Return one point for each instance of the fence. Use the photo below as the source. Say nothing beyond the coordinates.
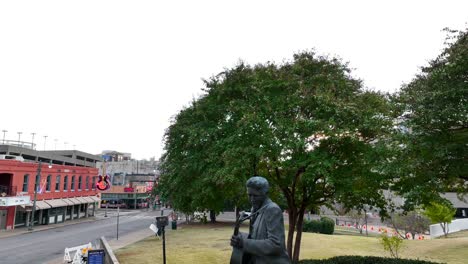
(455, 226)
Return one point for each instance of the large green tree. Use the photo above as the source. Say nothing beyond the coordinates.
(307, 125)
(434, 145)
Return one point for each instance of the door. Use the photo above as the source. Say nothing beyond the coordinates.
(3, 218)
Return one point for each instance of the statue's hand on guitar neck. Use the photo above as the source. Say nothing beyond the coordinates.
(237, 241)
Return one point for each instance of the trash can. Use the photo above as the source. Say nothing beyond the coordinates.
(174, 224)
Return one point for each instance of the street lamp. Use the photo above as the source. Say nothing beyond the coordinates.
(19, 138)
(38, 180)
(32, 140)
(4, 131)
(45, 139)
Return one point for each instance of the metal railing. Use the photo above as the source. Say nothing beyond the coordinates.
(16, 143)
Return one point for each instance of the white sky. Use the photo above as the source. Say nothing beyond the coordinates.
(109, 75)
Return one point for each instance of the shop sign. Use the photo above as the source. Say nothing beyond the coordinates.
(128, 189)
(15, 200)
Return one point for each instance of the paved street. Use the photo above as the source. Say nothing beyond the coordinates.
(48, 245)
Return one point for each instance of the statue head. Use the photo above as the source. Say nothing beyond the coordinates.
(257, 190)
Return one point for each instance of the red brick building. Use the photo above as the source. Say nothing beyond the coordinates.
(66, 189)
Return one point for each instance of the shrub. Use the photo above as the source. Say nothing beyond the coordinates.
(363, 260)
(328, 226)
(323, 226)
(313, 226)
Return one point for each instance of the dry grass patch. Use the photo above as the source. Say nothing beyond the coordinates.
(209, 244)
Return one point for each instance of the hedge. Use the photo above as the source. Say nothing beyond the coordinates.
(363, 260)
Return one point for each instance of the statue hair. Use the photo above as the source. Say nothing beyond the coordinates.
(258, 183)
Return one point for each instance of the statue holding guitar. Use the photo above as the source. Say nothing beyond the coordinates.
(265, 242)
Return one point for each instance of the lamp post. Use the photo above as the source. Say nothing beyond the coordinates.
(32, 140)
(45, 139)
(4, 131)
(19, 139)
(38, 180)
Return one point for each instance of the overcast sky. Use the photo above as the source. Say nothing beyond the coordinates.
(109, 75)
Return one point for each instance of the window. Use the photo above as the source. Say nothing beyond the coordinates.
(65, 183)
(93, 186)
(79, 183)
(73, 183)
(37, 182)
(87, 182)
(57, 183)
(48, 183)
(25, 182)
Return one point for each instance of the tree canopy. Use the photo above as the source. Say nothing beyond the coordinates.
(434, 107)
(307, 126)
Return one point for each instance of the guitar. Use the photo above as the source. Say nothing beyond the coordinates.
(238, 256)
(103, 183)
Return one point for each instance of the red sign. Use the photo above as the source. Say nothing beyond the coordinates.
(128, 189)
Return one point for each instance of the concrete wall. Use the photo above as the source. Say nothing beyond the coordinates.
(455, 226)
(110, 258)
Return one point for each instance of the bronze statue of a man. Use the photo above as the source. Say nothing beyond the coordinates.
(265, 242)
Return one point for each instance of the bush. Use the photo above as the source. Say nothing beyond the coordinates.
(313, 226)
(323, 226)
(363, 260)
(328, 226)
(391, 244)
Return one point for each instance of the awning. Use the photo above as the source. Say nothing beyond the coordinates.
(88, 199)
(56, 203)
(95, 199)
(66, 200)
(40, 205)
(83, 201)
(74, 200)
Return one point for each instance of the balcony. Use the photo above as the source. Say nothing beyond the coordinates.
(8, 190)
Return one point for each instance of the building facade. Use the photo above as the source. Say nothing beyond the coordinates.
(62, 184)
(132, 180)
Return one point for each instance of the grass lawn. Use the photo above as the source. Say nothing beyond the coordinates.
(209, 244)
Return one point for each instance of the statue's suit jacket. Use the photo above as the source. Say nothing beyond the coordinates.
(266, 243)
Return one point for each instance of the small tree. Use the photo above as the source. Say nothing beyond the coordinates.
(442, 214)
(392, 244)
(410, 222)
(358, 218)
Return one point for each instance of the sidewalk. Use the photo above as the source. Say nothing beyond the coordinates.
(127, 239)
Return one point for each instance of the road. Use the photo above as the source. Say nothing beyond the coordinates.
(47, 245)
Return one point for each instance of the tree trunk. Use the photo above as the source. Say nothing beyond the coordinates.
(297, 243)
(212, 216)
(443, 229)
(292, 227)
